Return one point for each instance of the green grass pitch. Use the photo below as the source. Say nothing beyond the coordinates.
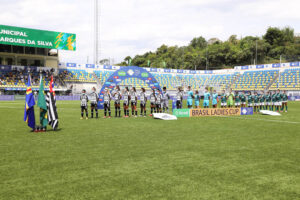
(241, 157)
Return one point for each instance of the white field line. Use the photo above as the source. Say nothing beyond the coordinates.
(260, 119)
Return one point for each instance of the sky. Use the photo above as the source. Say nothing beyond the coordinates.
(130, 27)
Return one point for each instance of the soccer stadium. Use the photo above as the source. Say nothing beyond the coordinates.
(146, 127)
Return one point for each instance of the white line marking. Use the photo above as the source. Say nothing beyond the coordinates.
(268, 120)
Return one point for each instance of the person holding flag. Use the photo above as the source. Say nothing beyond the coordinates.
(43, 106)
(29, 106)
(51, 106)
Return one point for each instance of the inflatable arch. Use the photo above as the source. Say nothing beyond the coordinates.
(124, 73)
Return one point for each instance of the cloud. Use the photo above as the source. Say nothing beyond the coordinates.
(130, 27)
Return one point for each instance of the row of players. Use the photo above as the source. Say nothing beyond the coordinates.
(274, 101)
(159, 101)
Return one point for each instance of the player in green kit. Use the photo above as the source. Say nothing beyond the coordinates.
(262, 101)
(243, 99)
(268, 101)
(250, 100)
(230, 99)
(223, 99)
(237, 100)
(256, 102)
(274, 103)
(284, 101)
(278, 100)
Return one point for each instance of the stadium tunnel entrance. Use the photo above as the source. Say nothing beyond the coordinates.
(124, 73)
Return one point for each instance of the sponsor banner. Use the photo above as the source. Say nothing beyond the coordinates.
(71, 64)
(275, 65)
(244, 67)
(294, 64)
(246, 111)
(181, 112)
(7, 97)
(90, 66)
(19, 36)
(215, 112)
(260, 66)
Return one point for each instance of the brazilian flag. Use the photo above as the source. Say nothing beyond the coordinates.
(42, 104)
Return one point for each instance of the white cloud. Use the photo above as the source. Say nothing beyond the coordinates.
(130, 27)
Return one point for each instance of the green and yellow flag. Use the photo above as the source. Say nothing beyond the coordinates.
(42, 104)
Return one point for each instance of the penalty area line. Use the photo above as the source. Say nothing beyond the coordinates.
(267, 120)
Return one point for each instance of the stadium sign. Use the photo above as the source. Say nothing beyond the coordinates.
(18, 36)
(203, 112)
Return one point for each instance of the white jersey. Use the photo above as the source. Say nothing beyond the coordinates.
(84, 99)
(133, 96)
(94, 98)
(165, 96)
(117, 96)
(107, 97)
(152, 98)
(179, 96)
(158, 98)
(143, 97)
(126, 97)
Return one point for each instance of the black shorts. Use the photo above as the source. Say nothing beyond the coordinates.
(106, 104)
(133, 103)
(143, 105)
(93, 105)
(117, 103)
(83, 107)
(158, 105)
(153, 104)
(178, 104)
(125, 104)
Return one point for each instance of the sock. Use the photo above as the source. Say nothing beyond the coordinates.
(81, 114)
(96, 113)
(109, 112)
(119, 112)
(125, 112)
(145, 112)
(151, 110)
(286, 108)
(105, 112)
(135, 113)
(92, 113)
(116, 112)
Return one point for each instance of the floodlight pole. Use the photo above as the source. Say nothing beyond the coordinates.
(96, 32)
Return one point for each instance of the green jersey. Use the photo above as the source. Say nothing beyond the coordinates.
(278, 97)
(250, 98)
(243, 98)
(256, 98)
(284, 97)
(268, 98)
(237, 98)
(262, 98)
(273, 97)
(223, 98)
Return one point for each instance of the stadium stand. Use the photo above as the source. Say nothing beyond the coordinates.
(289, 79)
(254, 80)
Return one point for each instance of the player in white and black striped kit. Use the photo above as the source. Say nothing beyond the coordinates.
(126, 100)
(165, 100)
(143, 103)
(152, 101)
(133, 100)
(107, 99)
(84, 104)
(158, 101)
(94, 102)
(179, 97)
(117, 96)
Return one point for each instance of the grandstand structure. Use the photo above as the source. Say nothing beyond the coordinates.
(285, 76)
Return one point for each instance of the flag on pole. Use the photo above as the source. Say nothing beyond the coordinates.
(29, 106)
(42, 104)
(51, 106)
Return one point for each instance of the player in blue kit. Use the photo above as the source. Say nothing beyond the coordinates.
(206, 98)
(190, 97)
(215, 99)
(197, 99)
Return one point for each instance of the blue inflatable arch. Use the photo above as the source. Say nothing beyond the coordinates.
(124, 73)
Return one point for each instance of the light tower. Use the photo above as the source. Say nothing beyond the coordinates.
(97, 52)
